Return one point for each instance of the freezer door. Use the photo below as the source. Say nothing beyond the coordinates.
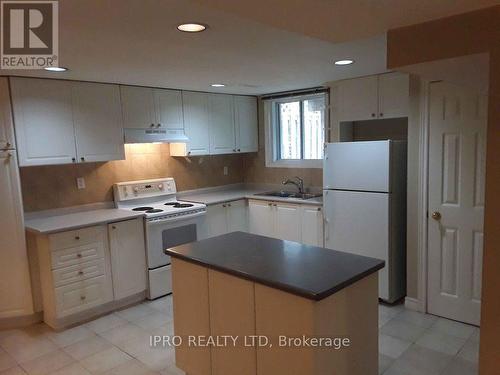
(360, 166)
(358, 223)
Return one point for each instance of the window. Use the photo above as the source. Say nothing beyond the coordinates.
(296, 131)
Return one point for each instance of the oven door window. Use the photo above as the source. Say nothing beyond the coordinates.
(178, 236)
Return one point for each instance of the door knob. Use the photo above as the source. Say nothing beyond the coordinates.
(436, 215)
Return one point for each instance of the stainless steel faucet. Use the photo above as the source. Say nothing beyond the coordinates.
(299, 183)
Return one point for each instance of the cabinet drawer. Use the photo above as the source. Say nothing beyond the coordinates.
(78, 272)
(77, 255)
(76, 237)
(83, 295)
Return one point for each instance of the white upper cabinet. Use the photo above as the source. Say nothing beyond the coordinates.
(43, 118)
(222, 129)
(98, 122)
(394, 91)
(245, 108)
(373, 97)
(357, 99)
(168, 104)
(196, 126)
(138, 107)
(6, 126)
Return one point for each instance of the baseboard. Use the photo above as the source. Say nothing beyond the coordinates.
(413, 304)
(20, 321)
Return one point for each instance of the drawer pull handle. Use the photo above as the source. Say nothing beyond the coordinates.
(83, 298)
(80, 272)
(79, 255)
(77, 237)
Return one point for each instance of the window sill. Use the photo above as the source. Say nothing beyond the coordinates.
(295, 164)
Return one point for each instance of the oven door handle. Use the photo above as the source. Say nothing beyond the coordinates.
(175, 219)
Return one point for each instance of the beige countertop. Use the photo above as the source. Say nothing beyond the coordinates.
(74, 220)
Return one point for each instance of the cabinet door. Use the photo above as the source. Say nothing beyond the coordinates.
(312, 225)
(261, 218)
(128, 257)
(15, 296)
(245, 108)
(43, 118)
(222, 140)
(169, 108)
(98, 122)
(6, 127)
(394, 92)
(216, 219)
(196, 122)
(357, 99)
(237, 216)
(287, 222)
(137, 107)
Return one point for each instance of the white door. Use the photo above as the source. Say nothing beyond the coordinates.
(138, 107)
(357, 99)
(358, 223)
(6, 126)
(222, 140)
(456, 201)
(312, 225)
(261, 218)
(216, 219)
(128, 257)
(357, 166)
(287, 222)
(394, 92)
(43, 118)
(245, 108)
(237, 218)
(98, 122)
(196, 122)
(169, 109)
(15, 285)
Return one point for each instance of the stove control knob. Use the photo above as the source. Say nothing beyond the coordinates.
(160, 186)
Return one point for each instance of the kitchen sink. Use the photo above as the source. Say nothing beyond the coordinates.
(290, 194)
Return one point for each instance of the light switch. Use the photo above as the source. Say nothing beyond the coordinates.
(226, 172)
(80, 183)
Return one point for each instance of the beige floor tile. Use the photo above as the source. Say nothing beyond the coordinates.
(87, 347)
(132, 367)
(13, 371)
(74, 369)
(470, 351)
(441, 342)
(104, 361)
(6, 361)
(25, 348)
(47, 363)
(70, 336)
(164, 304)
(392, 346)
(417, 318)
(452, 328)
(154, 320)
(123, 333)
(165, 330)
(106, 323)
(420, 361)
(136, 346)
(459, 366)
(157, 359)
(383, 363)
(136, 312)
(172, 369)
(402, 330)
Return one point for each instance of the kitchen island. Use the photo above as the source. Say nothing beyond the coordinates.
(247, 304)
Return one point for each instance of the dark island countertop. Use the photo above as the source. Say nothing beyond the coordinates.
(307, 271)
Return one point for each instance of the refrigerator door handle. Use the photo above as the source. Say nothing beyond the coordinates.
(327, 229)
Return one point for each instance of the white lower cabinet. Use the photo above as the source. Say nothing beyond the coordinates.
(227, 217)
(128, 257)
(287, 221)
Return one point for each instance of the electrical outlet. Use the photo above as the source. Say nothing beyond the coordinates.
(80, 183)
(226, 171)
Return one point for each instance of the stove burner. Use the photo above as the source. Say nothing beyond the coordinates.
(171, 203)
(179, 205)
(142, 208)
(153, 211)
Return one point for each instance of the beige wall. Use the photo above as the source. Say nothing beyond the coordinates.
(55, 186)
(469, 33)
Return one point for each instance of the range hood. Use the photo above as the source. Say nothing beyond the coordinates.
(145, 135)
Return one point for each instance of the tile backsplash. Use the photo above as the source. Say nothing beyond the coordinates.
(48, 187)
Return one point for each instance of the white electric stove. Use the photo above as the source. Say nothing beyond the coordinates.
(168, 222)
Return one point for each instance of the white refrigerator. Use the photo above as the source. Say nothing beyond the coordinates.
(364, 198)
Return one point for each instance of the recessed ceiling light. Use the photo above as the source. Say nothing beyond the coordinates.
(218, 85)
(56, 68)
(344, 62)
(191, 27)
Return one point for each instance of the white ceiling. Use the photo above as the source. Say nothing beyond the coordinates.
(136, 42)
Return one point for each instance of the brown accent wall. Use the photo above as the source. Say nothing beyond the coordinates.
(469, 33)
(49, 187)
